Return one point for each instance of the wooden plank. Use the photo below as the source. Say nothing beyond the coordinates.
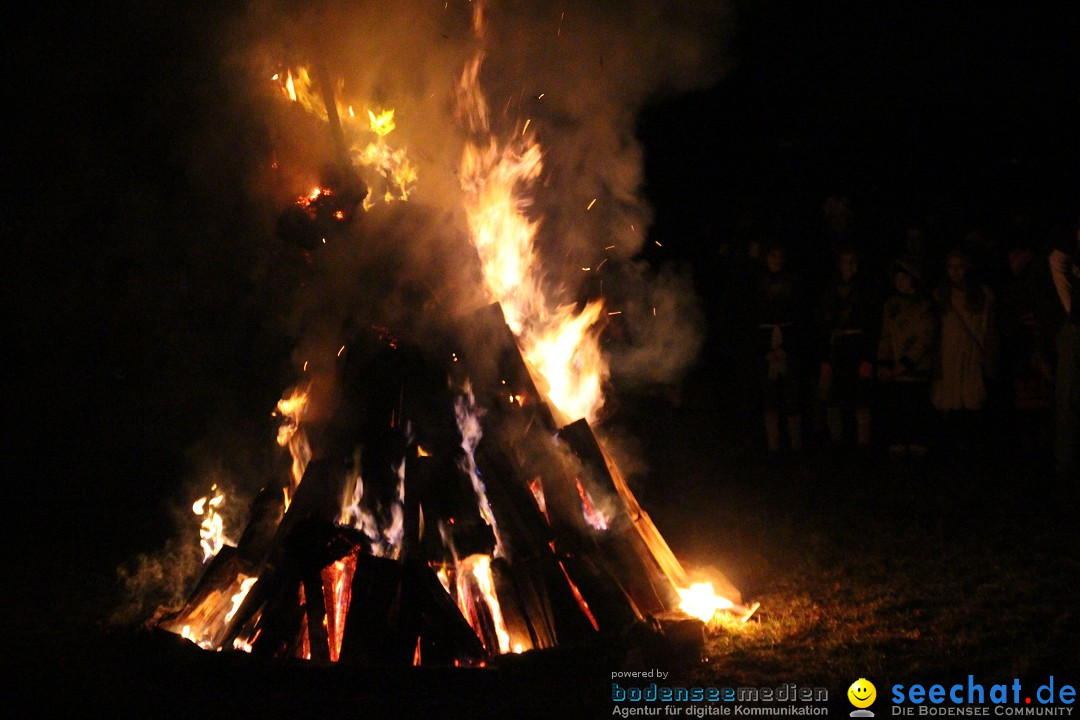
(497, 370)
(647, 562)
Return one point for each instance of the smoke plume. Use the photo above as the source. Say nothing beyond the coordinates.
(576, 74)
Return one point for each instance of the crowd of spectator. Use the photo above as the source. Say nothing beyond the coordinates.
(923, 344)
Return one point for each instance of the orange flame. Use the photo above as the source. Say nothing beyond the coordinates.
(560, 344)
(238, 599)
(291, 435)
(579, 597)
(478, 568)
(393, 166)
(337, 592)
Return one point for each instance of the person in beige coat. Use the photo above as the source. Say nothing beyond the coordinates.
(967, 341)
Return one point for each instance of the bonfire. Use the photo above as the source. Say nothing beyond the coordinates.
(454, 504)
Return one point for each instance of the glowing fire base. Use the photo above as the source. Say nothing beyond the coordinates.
(442, 526)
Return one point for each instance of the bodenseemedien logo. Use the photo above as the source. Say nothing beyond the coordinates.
(862, 694)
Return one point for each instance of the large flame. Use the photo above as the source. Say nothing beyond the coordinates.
(559, 343)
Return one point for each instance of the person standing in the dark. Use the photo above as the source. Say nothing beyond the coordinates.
(847, 323)
(777, 305)
(967, 350)
(1065, 270)
(1030, 318)
(905, 360)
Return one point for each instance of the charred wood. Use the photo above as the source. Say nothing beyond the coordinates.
(499, 372)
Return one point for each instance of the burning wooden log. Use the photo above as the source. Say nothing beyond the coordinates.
(609, 607)
(510, 453)
(326, 88)
(264, 518)
(445, 636)
(397, 607)
(373, 627)
(204, 618)
(538, 540)
(418, 474)
(499, 372)
(656, 563)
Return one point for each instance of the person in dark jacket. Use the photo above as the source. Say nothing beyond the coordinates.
(847, 322)
(777, 320)
(1065, 270)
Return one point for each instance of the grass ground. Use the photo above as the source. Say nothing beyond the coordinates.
(907, 569)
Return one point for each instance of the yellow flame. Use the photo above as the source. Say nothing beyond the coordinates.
(701, 601)
(238, 599)
(392, 165)
(299, 88)
(381, 124)
(212, 528)
(478, 567)
(292, 435)
(559, 343)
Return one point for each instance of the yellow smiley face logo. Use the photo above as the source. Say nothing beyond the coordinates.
(862, 693)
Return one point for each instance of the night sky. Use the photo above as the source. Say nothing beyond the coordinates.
(907, 108)
(133, 330)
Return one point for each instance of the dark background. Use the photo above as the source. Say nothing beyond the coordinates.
(132, 330)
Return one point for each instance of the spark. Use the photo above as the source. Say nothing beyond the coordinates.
(591, 204)
(526, 128)
(340, 350)
(615, 312)
(658, 243)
